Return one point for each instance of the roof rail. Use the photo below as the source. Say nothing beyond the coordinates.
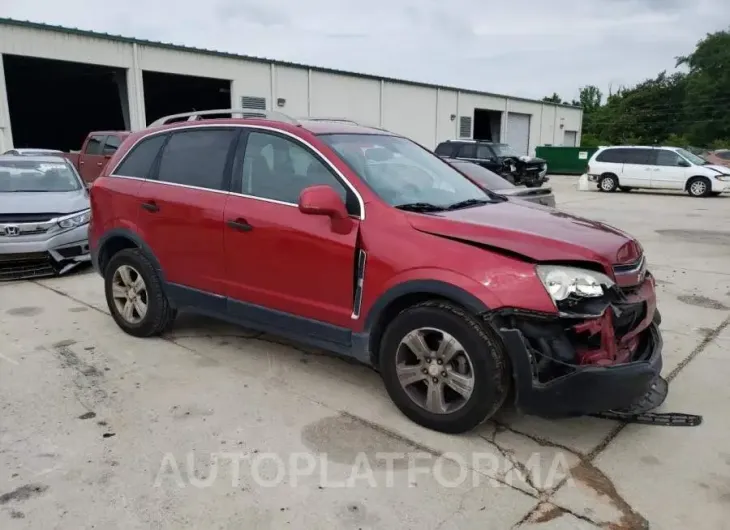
(341, 120)
(243, 112)
(345, 120)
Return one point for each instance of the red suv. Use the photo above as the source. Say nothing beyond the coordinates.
(361, 242)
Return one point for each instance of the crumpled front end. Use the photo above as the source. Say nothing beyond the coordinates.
(595, 355)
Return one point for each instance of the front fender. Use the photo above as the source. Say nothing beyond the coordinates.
(438, 282)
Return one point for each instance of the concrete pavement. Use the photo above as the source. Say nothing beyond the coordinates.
(214, 426)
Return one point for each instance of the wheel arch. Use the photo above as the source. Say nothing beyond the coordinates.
(408, 294)
(119, 239)
(695, 177)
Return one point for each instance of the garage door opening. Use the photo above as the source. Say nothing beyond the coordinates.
(166, 94)
(487, 125)
(518, 132)
(55, 104)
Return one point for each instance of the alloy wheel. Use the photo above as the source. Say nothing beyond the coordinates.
(698, 187)
(129, 293)
(435, 370)
(607, 184)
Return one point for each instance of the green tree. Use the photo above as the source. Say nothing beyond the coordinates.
(706, 108)
(555, 98)
(590, 98)
(689, 107)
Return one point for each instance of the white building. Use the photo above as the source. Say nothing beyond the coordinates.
(426, 113)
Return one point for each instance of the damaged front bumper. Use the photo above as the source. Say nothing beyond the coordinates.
(579, 364)
(41, 256)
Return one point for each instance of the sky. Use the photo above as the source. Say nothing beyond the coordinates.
(528, 48)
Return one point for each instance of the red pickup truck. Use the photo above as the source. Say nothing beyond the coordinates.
(96, 151)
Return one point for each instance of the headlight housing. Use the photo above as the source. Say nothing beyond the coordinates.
(75, 219)
(562, 282)
(723, 177)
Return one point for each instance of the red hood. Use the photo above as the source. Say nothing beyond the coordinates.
(536, 232)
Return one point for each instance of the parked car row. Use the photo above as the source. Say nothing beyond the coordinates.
(97, 149)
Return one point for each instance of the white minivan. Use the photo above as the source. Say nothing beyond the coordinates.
(669, 168)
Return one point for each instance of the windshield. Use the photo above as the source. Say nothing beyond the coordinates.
(403, 173)
(504, 150)
(696, 160)
(483, 176)
(32, 176)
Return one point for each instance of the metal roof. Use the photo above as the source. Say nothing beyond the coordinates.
(179, 47)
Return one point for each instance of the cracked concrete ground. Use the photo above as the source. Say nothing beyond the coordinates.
(213, 426)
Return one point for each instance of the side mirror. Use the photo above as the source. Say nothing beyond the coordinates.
(322, 200)
(684, 163)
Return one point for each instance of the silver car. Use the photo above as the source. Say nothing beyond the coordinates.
(44, 217)
(30, 151)
(493, 182)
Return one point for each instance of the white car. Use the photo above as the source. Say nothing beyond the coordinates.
(668, 168)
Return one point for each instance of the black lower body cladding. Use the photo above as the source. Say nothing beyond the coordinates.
(586, 389)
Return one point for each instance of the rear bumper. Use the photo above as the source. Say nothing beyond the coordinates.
(37, 257)
(588, 389)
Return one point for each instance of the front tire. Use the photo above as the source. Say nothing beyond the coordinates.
(135, 296)
(608, 183)
(442, 368)
(699, 187)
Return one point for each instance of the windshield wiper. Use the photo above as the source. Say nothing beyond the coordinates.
(420, 207)
(469, 203)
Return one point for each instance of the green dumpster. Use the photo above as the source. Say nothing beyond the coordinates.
(565, 160)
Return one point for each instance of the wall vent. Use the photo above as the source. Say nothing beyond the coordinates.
(465, 127)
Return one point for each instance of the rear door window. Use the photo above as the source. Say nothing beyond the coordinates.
(468, 151)
(111, 145)
(138, 162)
(638, 156)
(197, 158)
(484, 152)
(93, 146)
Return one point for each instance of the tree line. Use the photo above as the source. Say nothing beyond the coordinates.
(689, 108)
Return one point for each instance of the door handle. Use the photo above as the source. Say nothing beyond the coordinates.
(151, 206)
(240, 224)
(100, 164)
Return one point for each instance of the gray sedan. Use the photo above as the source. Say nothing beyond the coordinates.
(44, 217)
(493, 182)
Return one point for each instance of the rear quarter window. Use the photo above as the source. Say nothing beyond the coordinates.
(445, 149)
(610, 156)
(138, 162)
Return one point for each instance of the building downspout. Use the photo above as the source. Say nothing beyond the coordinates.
(6, 132)
(309, 92)
(272, 71)
(135, 93)
(436, 129)
(382, 101)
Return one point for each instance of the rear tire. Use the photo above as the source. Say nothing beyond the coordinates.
(608, 183)
(135, 296)
(699, 187)
(447, 389)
